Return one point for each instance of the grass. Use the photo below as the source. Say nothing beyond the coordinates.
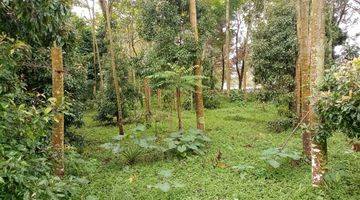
(240, 133)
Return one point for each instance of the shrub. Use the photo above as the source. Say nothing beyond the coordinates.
(212, 99)
(275, 156)
(133, 145)
(237, 96)
(25, 169)
(280, 125)
(107, 109)
(183, 143)
(339, 101)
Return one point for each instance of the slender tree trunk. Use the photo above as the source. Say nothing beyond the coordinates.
(242, 75)
(93, 34)
(101, 73)
(227, 49)
(246, 55)
(147, 92)
(317, 39)
(101, 87)
(178, 108)
(223, 68)
(303, 70)
(237, 53)
(199, 104)
(113, 69)
(57, 138)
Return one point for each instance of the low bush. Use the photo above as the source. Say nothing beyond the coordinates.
(184, 143)
(212, 99)
(237, 96)
(339, 101)
(280, 125)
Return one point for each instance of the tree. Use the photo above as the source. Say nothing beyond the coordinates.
(317, 61)
(96, 54)
(302, 90)
(274, 51)
(115, 80)
(57, 138)
(200, 118)
(228, 66)
(176, 79)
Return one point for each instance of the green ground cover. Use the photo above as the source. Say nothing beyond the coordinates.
(240, 133)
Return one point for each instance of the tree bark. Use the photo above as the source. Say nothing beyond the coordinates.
(246, 55)
(101, 74)
(317, 39)
(113, 69)
(223, 68)
(178, 108)
(199, 102)
(355, 146)
(57, 138)
(147, 92)
(93, 34)
(228, 66)
(302, 89)
(238, 71)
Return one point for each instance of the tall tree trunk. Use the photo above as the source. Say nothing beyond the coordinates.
(93, 34)
(303, 70)
(223, 68)
(246, 55)
(147, 92)
(237, 53)
(57, 138)
(317, 39)
(113, 69)
(227, 48)
(101, 73)
(178, 108)
(242, 74)
(199, 102)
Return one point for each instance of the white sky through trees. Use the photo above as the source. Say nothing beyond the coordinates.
(352, 26)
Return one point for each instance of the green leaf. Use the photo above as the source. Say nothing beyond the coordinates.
(178, 185)
(47, 110)
(274, 163)
(140, 128)
(165, 187)
(181, 148)
(165, 173)
(2, 180)
(91, 197)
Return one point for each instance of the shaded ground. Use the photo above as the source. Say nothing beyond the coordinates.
(240, 133)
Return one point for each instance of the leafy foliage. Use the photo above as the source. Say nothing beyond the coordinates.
(275, 49)
(275, 156)
(133, 145)
(25, 168)
(280, 125)
(212, 99)
(165, 183)
(107, 111)
(185, 143)
(339, 101)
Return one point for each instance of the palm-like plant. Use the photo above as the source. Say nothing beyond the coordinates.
(177, 79)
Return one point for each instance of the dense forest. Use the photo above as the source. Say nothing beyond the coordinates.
(179, 99)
